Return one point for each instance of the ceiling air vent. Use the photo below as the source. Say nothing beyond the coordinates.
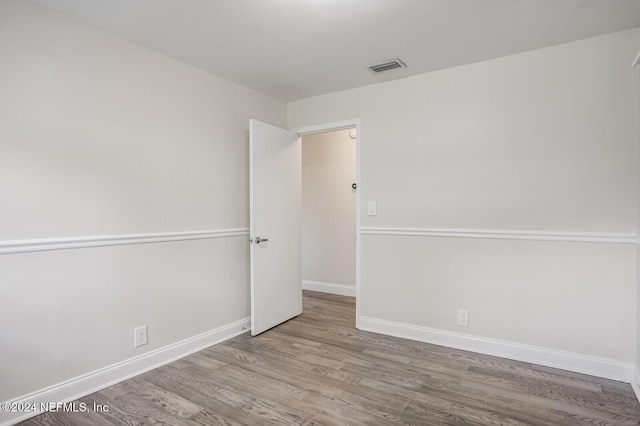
(389, 65)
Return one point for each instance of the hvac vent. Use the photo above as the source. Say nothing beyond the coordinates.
(389, 65)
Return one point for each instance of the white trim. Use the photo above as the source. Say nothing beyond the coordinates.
(45, 244)
(341, 125)
(601, 367)
(636, 61)
(252, 231)
(358, 221)
(635, 382)
(340, 289)
(94, 381)
(329, 127)
(587, 237)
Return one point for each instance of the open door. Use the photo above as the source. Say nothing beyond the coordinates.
(275, 203)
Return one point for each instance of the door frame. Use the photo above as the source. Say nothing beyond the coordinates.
(330, 127)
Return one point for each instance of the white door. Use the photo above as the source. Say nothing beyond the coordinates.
(275, 203)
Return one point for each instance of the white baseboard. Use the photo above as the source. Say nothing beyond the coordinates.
(601, 367)
(340, 289)
(94, 381)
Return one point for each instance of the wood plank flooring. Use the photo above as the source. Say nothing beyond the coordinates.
(317, 369)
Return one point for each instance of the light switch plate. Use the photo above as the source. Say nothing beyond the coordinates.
(372, 208)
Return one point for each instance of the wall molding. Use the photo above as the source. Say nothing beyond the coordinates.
(340, 289)
(585, 237)
(579, 363)
(46, 244)
(94, 381)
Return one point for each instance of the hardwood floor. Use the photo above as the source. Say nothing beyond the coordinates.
(318, 369)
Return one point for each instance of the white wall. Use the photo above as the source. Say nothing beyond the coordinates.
(100, 137)
(329, 208)
(542, 142)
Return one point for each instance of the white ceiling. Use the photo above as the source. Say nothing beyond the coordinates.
(293, 49)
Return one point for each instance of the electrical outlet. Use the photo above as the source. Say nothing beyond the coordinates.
(140, 336)
(463, 318)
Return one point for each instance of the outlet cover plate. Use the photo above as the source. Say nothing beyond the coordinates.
(463, 318)
(140, 336)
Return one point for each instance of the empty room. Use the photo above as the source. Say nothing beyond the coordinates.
(319, 212)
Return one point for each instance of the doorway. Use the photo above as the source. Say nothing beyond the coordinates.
(330, 205)
(275, 229)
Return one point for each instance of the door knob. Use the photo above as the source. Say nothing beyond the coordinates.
(261, 240)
